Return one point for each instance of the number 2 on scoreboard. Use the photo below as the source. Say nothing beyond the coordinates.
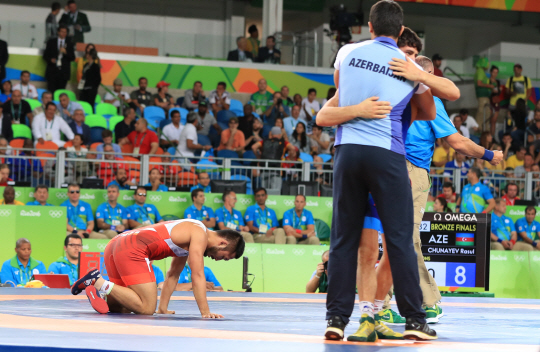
(425, 226)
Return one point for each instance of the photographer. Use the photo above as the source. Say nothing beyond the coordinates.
(277, 109)
(319, 279)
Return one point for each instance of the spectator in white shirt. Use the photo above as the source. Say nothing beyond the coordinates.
(49, 127)
(220, 99)
(309, 108)
(67, 107)
(320, 140)
(289, 123)
(188, 141)
(171, 132)
(118, 97)
(458, 123)
(27, 90)
(468, 121)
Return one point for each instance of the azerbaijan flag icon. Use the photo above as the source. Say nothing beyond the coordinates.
(464, 239)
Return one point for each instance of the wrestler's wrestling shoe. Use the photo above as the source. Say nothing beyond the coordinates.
(390, 317)
(96, 301)
(366, 332)
(335, 329)
(85, 281)
(384, 332)
(417, 331)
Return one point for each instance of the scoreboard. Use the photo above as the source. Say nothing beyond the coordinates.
(456, 249)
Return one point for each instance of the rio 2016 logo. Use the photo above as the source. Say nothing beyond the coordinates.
(155, 198)
(56, 213)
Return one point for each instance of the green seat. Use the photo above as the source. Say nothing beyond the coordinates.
(88, 110)
(21, 131)
(34, 103)
(106, 109)
(113, 120)
(98, 99)
(95, 121)
(69, 93)
(322, 229)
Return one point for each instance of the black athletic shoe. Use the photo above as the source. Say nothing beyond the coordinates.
(417, 331)
(335, 329)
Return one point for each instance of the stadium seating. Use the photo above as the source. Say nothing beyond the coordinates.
(21, 131)
(183, 114)
(113, 120)
(106, 109)
(306, 157)
(46, 146)
(223, 116)
(325, 157)
(40, 92)
(88, 109)
(154, 112)
(96, 121)
(236, 107)
(71, 95)
(34, 103)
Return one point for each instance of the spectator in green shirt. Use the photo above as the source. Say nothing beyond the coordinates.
(262, 99)
(483, 90)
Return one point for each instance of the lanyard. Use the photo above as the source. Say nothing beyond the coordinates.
(297, 224)
(142, 139)
(74, 215)
(199, 213)
(27, 91)
(261, 219)
(110, 212)
(226, 215)
(18, 113)
(22, 269)
(73, 270)
(144, 212)
(52, 123)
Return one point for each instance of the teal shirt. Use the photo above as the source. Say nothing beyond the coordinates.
(224, 216)
(111, 216)
(530, 229)
(474, 198)
(64, 266)
(502, 226)
(78, 216)
(18, 274)
(290, 218)
(47, 204)
(146, 214)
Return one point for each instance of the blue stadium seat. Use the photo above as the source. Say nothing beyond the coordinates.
(325, 157)
(171, 150)
(236, 107)
(155, 112)
(307, 158)
(231, 154)
(95, 134)
(207, 165)
(249, 155)
(180, 101)
(203, 140)
(224, 116)
(183, 114)
(154, 122)
(40, 92)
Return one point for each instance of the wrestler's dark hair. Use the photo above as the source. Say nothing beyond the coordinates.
(409, 38)
(236, 242)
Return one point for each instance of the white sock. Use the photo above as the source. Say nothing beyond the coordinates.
(367, 308)
(107, 287)
(378, 305)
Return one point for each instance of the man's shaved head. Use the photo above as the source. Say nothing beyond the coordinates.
(425, 63)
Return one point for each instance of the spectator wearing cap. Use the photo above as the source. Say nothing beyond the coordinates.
(9, 197)
(204, 183)
(20, 269)
(4, 57)
(232, 138)
(49, 127)
(6, 129)
(220, 99)
(125, 127)
(528, 230)
(58, 54)
(192, 97)
(107, 137)
(143, 140)
(253, 42)
(117, 97)
(66, 107)
(518, 87)
(162, 98)
(188, 143)
(206, 121)
(79, 127)
(240, 53)
(299, 223)
(76, 21)
(437, 62)
(155, 181)
(6, 90)
(269, 54)
(171, 132)
(28, 90)
(142, 98)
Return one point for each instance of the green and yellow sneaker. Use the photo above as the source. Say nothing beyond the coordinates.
(390, 317)
(432, 314)
(440, 313)
(384, 332)
(366, 332)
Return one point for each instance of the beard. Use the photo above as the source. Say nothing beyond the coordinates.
(211, 252)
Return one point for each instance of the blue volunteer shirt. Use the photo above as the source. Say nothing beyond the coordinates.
(185, 276)
(421, 136)
(199, 186)
(205, 213)
(224, 216)
(291, 218)
(146, 214)
(47, 204)
(111, 216)
(64, 266)
(158, 274)
(363, 73)
(530, 229)
(258, 216)
(14, 271)
(502, 226)
(79, 215)
(453, 165)
(474, 198)
(161, 188)
(125, 187)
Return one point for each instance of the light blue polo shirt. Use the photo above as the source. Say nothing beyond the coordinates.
(146, 214)
(64, 266)
(502, 226)
(363, 73)
(185, 276)
(224, 216)
(474, 198)
(78, 216)
(47, 204)
(531, 229)
(290, 218)
(205, 213)
(258, 216)
(110, 214)
(289, 123)
(421, 136)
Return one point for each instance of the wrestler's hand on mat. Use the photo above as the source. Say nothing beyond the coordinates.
(212, 316)
(372, 108)
(497, 157)
(159, 311)
(406, 69)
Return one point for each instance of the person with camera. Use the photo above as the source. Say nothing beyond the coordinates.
(277, 109)
(319, 279)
